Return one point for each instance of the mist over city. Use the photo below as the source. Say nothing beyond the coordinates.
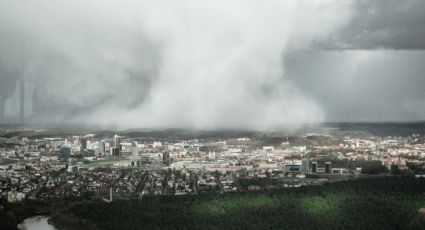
(211, 64)
(212, 114)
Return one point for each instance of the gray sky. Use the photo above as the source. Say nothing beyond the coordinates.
(213, 64)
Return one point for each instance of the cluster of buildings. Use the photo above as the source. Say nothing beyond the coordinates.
(104, 167)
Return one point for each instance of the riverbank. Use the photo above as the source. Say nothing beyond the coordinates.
(13, 214)
(36, 223)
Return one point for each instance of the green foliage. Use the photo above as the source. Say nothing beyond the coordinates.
(374, 203)
(374, 167)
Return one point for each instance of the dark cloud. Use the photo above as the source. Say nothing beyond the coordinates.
(377, 24)
(372, 68)
(384, 85)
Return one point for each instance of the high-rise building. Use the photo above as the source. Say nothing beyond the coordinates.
(314, 167)
(115, 152)
(116, 141)
(102, 148)
(327, 167)
(166, 158)
(83, 143)
(134, 148)
(116, 146)
(305, 162)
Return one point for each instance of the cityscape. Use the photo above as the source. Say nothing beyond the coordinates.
(212, 114)
(118, 166)
(55, 165)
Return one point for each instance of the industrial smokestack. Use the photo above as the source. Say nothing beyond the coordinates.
(22, 101)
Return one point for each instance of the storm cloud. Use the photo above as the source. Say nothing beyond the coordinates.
(372, 70)
(212, 64)
(378, 24)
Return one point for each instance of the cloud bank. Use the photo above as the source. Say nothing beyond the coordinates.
(212, 64)
(165, 63)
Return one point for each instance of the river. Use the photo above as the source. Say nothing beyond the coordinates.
(36, 223)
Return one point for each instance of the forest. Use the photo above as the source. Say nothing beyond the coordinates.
(369, 203)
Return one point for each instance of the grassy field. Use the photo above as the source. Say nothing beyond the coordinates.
(104, 161)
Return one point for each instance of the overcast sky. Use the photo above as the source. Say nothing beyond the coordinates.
(213, 63)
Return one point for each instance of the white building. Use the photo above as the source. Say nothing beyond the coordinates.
(14, 196)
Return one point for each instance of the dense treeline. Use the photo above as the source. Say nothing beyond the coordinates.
(374, 203)
(11, 214)
(380, 129)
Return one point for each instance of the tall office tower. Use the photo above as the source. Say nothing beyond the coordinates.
(166, 158)
(83, 143)
(314, 167)
(134, 148)
(102, 148)
(327, 167)
(116, 142)
(305, 162)
(115, 152)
